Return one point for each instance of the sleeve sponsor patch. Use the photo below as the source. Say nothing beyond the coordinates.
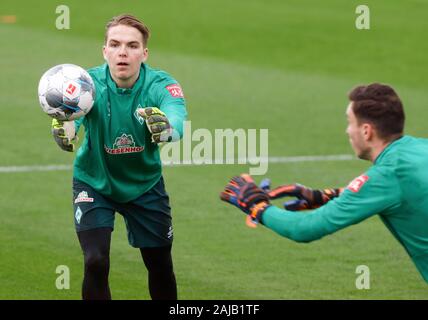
(175, 90)
(357, 183)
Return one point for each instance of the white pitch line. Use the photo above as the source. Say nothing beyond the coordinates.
(255, 161)
(35, 168)
(248, 161)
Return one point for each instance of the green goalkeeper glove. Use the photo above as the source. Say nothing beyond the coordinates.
(157, 123)
(64, 132)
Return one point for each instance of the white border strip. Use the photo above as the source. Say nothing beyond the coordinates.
(250, 161)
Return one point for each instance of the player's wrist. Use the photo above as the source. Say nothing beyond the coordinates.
(317, 198)
(254, 216)
(321, 197)
(64, 134)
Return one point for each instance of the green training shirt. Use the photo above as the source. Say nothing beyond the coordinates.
(395, 187)
(117, 157)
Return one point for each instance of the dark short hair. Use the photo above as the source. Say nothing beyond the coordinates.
(379, 105)
(130, 21)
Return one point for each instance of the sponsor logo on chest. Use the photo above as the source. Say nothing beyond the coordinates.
(123, 144)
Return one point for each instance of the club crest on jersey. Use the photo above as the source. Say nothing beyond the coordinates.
(124, 144)
(175, 90)
(139, 118)
(83, 197)
(357, 183)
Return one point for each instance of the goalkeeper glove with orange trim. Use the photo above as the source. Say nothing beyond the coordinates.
(307, 198)
(242, 192)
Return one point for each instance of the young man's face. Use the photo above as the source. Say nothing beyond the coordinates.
(124, 52)
(358, 134)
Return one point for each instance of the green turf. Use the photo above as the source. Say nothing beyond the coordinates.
(281, 65)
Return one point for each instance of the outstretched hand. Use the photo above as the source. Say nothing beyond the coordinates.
(242, 192)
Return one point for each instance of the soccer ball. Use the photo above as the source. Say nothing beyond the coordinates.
(66, 92)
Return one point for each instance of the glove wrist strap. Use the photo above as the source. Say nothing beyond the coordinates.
(323, 196)
(255, 215)
(317, 197)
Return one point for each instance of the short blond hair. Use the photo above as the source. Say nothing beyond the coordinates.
(131, 21)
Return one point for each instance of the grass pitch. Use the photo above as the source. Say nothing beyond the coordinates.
(281, 65)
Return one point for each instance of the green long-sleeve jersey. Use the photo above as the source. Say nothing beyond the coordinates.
(117, 157)
(395, 187)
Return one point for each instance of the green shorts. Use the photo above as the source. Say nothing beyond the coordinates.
(148, 218)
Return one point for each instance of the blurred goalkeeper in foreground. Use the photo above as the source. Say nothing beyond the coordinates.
(395, 186)
(118, 166)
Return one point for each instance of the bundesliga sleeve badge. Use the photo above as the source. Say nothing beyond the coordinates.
(357, 183)
(175, 90)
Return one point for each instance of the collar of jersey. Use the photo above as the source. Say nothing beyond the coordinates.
(385, 151)
(124, 91)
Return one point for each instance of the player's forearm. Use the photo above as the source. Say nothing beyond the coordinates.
(177, 123)
(176, 116)
(297, 226)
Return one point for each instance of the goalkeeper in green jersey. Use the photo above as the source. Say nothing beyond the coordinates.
(395, 187)
(118, 167)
